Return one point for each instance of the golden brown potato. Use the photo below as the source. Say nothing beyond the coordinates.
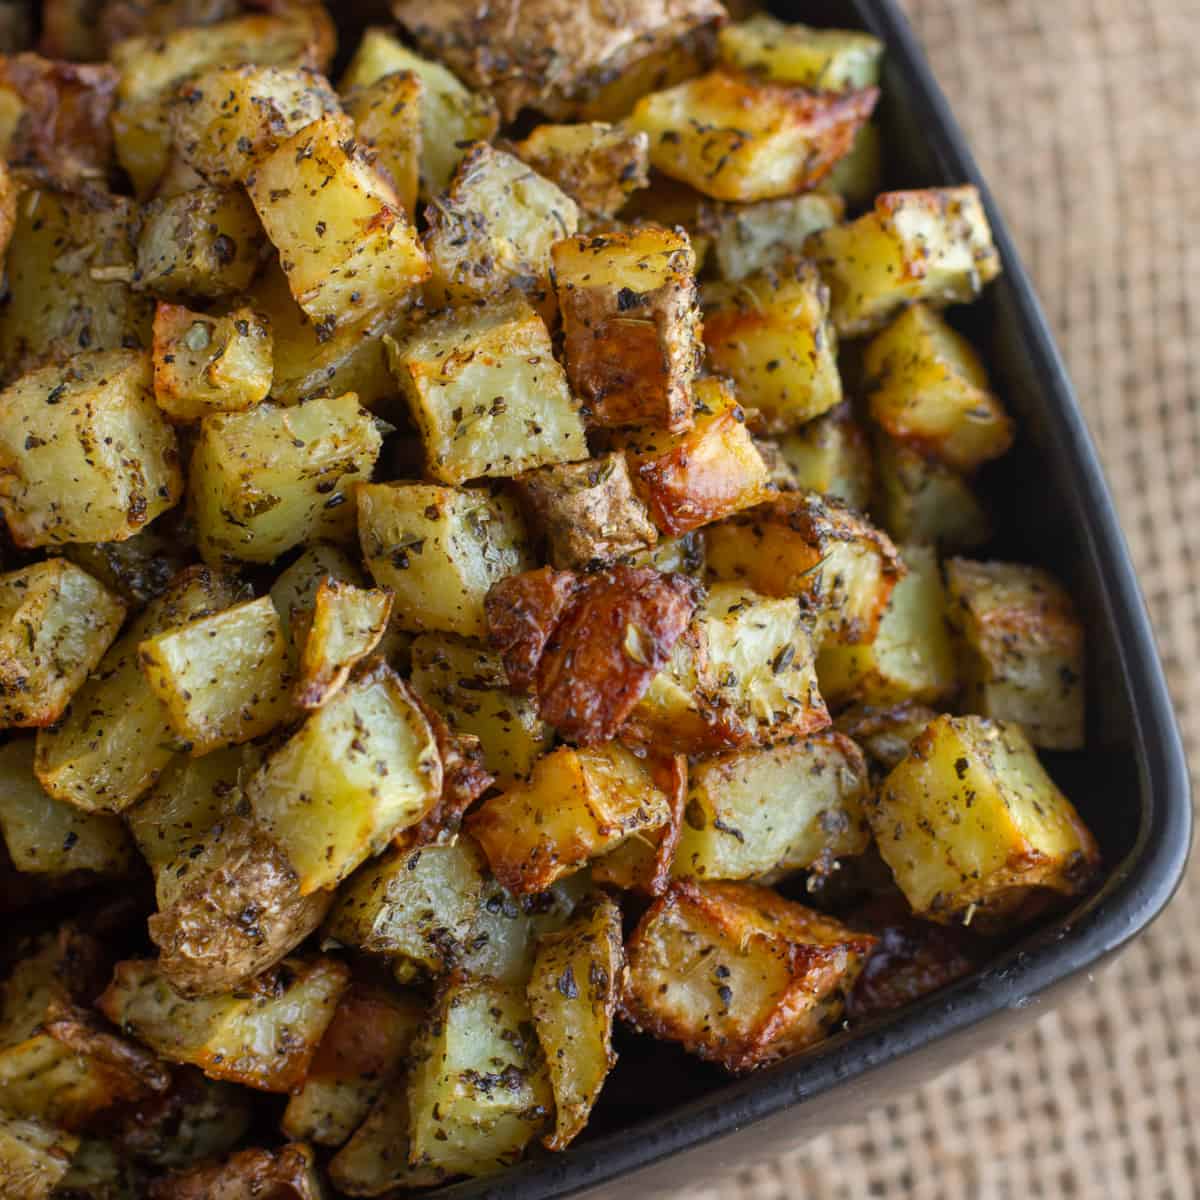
(884, 734)
(749, 238)
(737, 974)
(832, 455)
(834, 60)
(598, 165)
(287, 1174)
(387, 117)
(34, 1158)
(347, 624)
(294, 592)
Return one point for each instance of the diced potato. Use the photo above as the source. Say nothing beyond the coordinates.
(208, 364)
(577, 805)
(34, 1157)
(452, 117)
(69, 267)
(290, 1173)
(771, 334)
(785, 808)
(735, 137)
(271, 478)
(910, 656)
(1023, 649)
(596, 164)
(347, 624)
(263, 1036)
(415, 906)
(749, 238)
(343, 239)
(573, 994)
(885, 734)
(632, 325)
(140, 568)
(643, 864)
(224, 678)
(486, 393)
(116, 740)
(691, 479)
(858, 177)
(493, 229)
(459, 540)
(970, 822)
(737, 974)
(47, 836)
(358, 1058)
(842, 567)
(205, 242)
(358, 771)
(56, 622)
(683, 555)
(832, 455)
(833, 60)
(468, 686)
(387, 115)
(294, 592)
(933, 245)
(478, 1092)
(930, 390)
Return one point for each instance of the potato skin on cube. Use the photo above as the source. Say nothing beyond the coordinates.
(288, 1172)
(737, 974)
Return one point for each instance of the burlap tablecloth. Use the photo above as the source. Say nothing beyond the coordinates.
(1085, 116)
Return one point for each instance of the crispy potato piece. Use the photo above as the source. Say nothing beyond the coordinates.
(263, 1036)
(884, 734)
(973, 827)
(294, 592)
(784, 808)
(140, 568)
(265, 480)
(523, 612)
(486, 393)
(478, 1092)
(735, 137)
(832, 455)
(598, 165)
(206, 364)
(577, 805)
(632, 325)
(910, 657)
(933, 245)
(347, 624)
(459, 541)
(771, 334)
(387, 115)
(573, 994)
(834, 60)
(287, 1174)
(737, 974)
(1022, 646)
(750, 238)
(359, 1057)
(587, 511)
(842, 567)
(56, 622)
(358, 771)
(115, 739)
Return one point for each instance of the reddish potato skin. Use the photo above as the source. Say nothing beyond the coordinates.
(263, 1174)
(522, 612)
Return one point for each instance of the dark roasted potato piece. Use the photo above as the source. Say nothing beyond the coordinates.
(287, 1174)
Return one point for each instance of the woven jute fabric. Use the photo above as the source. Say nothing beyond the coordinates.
(1085, 116)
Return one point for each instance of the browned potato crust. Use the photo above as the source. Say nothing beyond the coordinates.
(287, 1174)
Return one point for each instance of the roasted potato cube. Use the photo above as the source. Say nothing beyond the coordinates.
(690, 479)
(48, 836)
(140, 568)
(832, 455)
(842, 567)
(632, 325)
(751, 238)
(56, 622)
(784, 808)
(771, 334)
(205, 242)
(34, 1158)
(858, 178)
(360, 1055)
(737, 974)
(930, 390)
(223, 679)
(934, 245)
(667, 203)
(458, 540)
(577, 805)
(834, 60)
(910, 657)
(735, 137)
(263, 1036)
(573, 994)
(343, 239)
(294, 592)
(587, 511)
(265, 480)
(387, 115)
(289, 1173)
(596, 164)
(347, 624)
(206, 364)
(885, 734)
(415, 906)
(1022, 645)
(115, 739)
(493, 229)
(478, 1092)
(452, 117)
(358, 771)
(970, 822)
(486, 393)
